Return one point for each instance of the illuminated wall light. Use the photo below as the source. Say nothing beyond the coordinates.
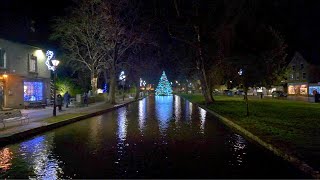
(40, 54)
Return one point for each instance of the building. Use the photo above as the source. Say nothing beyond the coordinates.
(304, 78)
(24, 77)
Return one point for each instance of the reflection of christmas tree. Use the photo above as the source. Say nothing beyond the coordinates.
(163, 88)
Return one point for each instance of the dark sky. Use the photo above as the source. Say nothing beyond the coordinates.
(30, 20)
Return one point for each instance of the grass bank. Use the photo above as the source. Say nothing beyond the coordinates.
(289, 125)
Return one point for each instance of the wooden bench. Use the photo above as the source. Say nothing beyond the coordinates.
(34, 105)
(13, 115)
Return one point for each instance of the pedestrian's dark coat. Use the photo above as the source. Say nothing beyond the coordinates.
(66, 97)
(59, 100)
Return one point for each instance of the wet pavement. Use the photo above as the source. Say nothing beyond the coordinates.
(37, 117)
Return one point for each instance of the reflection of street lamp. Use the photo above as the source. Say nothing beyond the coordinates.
(122, 78)
(55, 64)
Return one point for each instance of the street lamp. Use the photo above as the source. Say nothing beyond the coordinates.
(144, 89)
(55, 64)
(122, 78)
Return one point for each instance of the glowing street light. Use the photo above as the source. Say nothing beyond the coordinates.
(240, 72)
(122, 78)
(53, 66)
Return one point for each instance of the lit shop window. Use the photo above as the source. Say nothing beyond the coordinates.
(33, 91)
(314, 89)
(303, 89)
(291, 90)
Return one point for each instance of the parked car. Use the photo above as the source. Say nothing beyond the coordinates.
(239, 92)
(228, 92)
(279, 94)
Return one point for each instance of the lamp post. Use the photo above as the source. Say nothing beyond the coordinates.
(122, 78)
(144, 89)
(55, 64)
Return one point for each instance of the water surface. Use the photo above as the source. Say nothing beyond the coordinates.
(157, 137)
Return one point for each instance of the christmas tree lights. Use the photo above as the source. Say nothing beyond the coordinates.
(164, 87)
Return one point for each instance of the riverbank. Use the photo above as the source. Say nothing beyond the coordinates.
(288, 128)
(42, 120)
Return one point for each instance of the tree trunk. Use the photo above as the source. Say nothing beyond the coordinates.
(211, 90)
(112, 90)
(201, 68)
(206, 92)
(137, 84)
(94, 82)
(186, 89)
(246, 99)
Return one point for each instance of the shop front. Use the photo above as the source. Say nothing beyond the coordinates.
(17, 91)
(314, 89)
(298, 89)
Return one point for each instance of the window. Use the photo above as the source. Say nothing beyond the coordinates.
(291, 76)
(297, 76)
(304, 75)
(32, 63)
(33, 91)
(301, 66)
(293, 68)
(3, 58)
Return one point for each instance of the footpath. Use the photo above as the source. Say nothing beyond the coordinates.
(41, 120)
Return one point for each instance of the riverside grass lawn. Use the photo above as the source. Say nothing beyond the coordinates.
(291, 125)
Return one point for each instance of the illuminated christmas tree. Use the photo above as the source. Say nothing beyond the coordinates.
(163, 88)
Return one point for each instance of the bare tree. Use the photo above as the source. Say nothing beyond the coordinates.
(81, 35)
(202, 23)
(119, 23)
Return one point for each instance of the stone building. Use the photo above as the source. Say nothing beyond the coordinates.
(24, 77)
(304, 77)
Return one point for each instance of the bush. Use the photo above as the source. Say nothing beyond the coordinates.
(67, 84)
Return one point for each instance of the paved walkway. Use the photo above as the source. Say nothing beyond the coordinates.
(289, 98)
(37, 117)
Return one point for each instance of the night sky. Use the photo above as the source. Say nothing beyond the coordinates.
(29, 22)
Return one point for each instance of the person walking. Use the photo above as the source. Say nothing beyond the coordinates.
(66, 98)
(59, 102)
(85, 99)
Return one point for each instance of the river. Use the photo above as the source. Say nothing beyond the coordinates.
(157, 137)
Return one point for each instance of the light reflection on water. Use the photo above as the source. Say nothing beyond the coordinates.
(202, 113)
(122, 124)
(188, 110)
(37, 152)
(5, 159)
(164, 108)
(161, 137)
(238, 147)
(142, 114)
(177, 108)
